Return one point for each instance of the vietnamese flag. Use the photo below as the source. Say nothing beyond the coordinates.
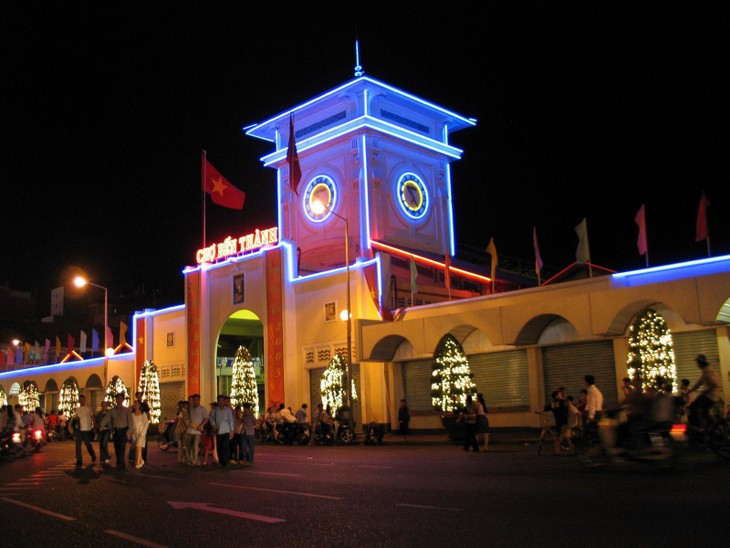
(292, 157)
(221, 191)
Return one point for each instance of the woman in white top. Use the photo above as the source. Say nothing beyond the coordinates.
(138, 432)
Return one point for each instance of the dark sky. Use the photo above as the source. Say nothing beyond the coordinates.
(584, 109)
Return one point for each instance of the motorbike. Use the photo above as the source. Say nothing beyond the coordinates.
(291, 432)
(35, 439)
(715, 436)
(373, 433)
(169, 439)
(345, 434)
(11, 446)
(648, 443)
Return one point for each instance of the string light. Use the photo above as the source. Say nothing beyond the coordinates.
(333, 383)
(149, 385)
(243, 382)
(451, 379)
(651, 353)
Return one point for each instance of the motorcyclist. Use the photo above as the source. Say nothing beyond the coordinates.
(287, 422)
(708, 388)
(638, 406)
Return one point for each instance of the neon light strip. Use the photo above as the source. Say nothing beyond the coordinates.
(676, 266)
(449, 205)
(430, 262)
(251, 130)
(333, 271)
(364, 195)
(153, 313)
(365, 122)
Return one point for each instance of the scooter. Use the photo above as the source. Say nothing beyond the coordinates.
(35, 439)
(11, 446)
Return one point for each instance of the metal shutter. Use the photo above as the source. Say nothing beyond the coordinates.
(687, 346)
(566, 365)
(417, 381)
(502, 378)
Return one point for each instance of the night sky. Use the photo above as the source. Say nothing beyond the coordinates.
(583, 109)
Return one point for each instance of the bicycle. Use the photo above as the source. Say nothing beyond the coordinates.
(548, 432)
(715, 436)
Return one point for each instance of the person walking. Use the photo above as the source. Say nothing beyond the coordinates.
(248, 434)
(102, 424)
(138, 432)
(83, 434)
(182, 423)
(223, 423)
(469, 416)
(482, 423)
(198, 420)
(404, 419)
(145, 408)
(121, 420)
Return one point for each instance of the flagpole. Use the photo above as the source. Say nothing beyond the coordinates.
(709, 253)
(202, 187)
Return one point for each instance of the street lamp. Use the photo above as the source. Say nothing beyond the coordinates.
(319, 207)
(80, 281)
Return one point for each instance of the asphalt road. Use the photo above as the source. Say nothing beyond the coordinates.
(395, 495)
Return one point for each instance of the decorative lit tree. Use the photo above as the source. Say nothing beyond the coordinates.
(332, 385)
(29, 397)
(651, 353)
(451, 379)
(149, 385)
(68, 398)
(243, 384)
(3, 398)
(116, 386)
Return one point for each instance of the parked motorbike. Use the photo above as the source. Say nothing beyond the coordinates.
(373, 433)
(345, 433)
(293, 432)
(168, 439)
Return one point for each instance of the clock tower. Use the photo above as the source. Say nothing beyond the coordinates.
(369, 153)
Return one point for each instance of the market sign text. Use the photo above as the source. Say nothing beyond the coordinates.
(234, 246)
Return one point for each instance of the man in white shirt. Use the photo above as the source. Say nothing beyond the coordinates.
(198, 418)
(83, 434)
(594, 399)
(222, 421)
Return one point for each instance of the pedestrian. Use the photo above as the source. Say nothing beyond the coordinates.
(138, 433)
(248, 434)
(236, 442)
(404, 419)
(84, 432)
(301, 414)
(223, 423)
(182, 422)
(482, 422)
(469, 418)
(594, 400)
(145, 408)
(121, 420)
(198, 420)
(102, 424)
(206, 444)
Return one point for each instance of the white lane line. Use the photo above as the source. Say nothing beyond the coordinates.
(20, 485)
(275, 474)
(26, 480)
(138, 540)
(38, 509)
(312, 495)
(206, 507)
(48, 473)
(162, 477)
(375, 466)
(429, 507)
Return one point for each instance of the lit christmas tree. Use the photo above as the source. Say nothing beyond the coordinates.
(68, 399)
(243, 383)
(3, 398)
(332, 385)
(116, 386)
(149, 385)
(651, 354)
(451, 379)
(29, 397)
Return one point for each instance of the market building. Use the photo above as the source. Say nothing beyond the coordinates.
(366, 235)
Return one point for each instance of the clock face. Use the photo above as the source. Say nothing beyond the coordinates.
(412, 195)
(320, 197)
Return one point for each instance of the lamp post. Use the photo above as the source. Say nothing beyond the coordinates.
(80, 281)
(319, 208)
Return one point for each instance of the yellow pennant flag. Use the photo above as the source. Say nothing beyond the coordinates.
(492, 250)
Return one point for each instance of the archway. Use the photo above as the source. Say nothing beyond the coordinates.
(242, 328)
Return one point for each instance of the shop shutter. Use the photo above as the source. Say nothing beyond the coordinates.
(566, 365)
(502, 378)
(687, 346)
(417, 381)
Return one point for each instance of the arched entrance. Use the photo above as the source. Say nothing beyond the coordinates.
(242, 328)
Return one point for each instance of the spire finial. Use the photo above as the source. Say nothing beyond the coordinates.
(358, 69)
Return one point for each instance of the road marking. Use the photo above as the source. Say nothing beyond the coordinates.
(278, 491)
(375, 466)
(38, 509)
(135, 539)
(19, 485)
(275, 474)
(208, 508)
(429, 507)
(161, 477)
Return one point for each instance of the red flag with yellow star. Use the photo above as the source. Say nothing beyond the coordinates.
(221, 191)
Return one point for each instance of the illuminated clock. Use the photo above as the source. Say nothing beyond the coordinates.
(320, 197)
(412, 195)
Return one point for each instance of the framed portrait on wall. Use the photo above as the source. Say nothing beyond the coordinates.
(238, 289)
(330, 311)
(171, 339)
